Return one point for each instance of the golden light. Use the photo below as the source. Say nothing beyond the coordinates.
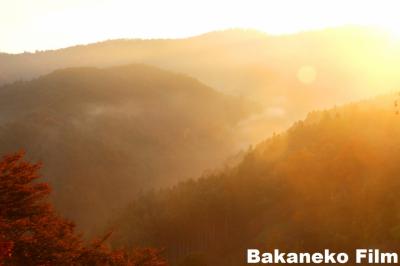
(45, 24)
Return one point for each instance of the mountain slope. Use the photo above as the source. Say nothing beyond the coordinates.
(106, 134)
(339, 65)
(330, 181)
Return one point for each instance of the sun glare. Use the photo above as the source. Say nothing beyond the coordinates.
(307, 74)
(44, 24)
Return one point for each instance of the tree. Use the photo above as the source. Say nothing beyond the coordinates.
(32, 233)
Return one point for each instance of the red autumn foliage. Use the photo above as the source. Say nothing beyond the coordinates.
(5, 249)
(32, 233)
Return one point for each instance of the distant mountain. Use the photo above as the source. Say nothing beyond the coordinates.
(289, 74)
(330, 181)
(104, 135)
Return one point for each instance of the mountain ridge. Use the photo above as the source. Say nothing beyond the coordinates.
(346, 64)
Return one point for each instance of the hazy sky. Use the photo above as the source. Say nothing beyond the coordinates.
(28, 25)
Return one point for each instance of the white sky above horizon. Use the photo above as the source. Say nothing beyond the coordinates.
(27, 25)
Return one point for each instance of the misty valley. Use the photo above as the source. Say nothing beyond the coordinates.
(189, 152)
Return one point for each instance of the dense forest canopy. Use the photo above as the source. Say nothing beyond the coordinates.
(106, 134)
(329, 181)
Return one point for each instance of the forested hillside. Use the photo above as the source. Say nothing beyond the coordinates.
(288, 75)
(106, 134)
(199, 133)
(329, 181)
